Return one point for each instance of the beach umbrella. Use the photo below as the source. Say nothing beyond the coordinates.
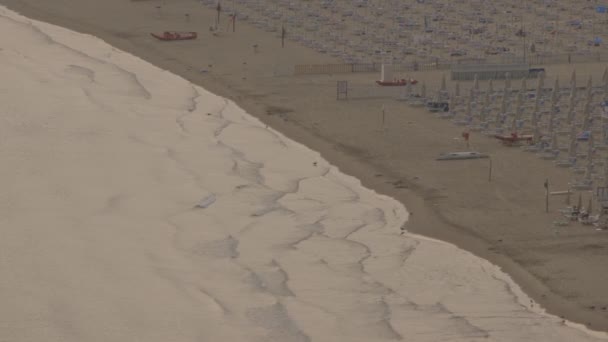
(539, 88)
(568, 198)
(580, 201)
(555, 94)
(443, 85)
(589, 86)
(469, 109)
(605, 75)
(497, 118)
(589, 170)
(587, 115)
(507, 80)
(590, 205)
(457, 90)
(491, 86)
(524, 86)
(571, 108)
(408, 89)
(423, 90)
(517, 115)
(537, 134)
(590, 145)
(551, 121)
(541, 78)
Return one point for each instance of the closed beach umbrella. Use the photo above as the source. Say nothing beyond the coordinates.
(423, 90)
(491, 87)
(457, 90)
(476, 83)
(486, 106)
(554, 94)
(443, 85)
(452, 105)
(571, 108)
(573, 78)
(606, 172)
(507, 80)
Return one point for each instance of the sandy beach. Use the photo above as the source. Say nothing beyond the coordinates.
(502, 221)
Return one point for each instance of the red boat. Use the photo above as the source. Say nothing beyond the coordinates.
(394, 83)
(514, 139)
(174, 35)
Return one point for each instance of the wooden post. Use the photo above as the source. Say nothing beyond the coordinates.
(547, 195)
(490, 171)
(383, 114)
(219, 10)
(282, 36)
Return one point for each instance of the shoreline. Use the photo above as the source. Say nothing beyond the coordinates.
(419, 198)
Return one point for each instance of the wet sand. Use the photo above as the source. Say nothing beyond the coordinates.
(502, 220)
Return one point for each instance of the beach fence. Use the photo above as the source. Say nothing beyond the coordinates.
(326, 69)
(348, 91)
(436, 64)
(467, 72)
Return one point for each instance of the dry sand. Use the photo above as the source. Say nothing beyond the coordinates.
(502, 221)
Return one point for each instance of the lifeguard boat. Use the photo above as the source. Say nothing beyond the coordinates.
(174, 35)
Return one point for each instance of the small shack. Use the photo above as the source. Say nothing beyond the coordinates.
(466, 72)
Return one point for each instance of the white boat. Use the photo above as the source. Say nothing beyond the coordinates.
(462, 155)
